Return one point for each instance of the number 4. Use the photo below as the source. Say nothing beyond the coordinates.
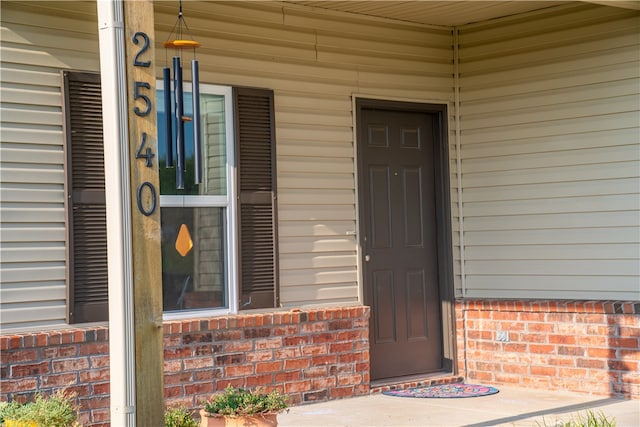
(148, 153)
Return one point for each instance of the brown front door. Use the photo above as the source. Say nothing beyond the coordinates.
(396, 151)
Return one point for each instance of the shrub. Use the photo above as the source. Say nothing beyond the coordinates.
(238, 402)
(590, 420)
(179, 417)
(56, 410)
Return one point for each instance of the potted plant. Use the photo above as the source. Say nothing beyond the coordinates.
(238, 407)
(179, 417)
(56, 410)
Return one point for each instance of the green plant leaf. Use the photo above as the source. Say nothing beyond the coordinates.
(236, 402)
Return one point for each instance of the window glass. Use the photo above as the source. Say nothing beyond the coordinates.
(193, 254)
(214, 180)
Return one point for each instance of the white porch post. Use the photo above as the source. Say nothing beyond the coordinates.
(118, 201)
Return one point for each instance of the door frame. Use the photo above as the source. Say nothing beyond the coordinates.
(443, 212)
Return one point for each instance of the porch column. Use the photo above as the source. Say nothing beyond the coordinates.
(127, 68)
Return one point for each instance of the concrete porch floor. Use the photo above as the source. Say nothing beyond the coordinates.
(510, 407)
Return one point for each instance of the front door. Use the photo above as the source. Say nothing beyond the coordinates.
(396, 151)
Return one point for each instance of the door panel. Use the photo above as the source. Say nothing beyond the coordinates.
(412, 200)
(398, 219)
(380, 196)
(383, 286)
(417, 309)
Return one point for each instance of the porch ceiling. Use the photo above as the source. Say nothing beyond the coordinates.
(443, 13)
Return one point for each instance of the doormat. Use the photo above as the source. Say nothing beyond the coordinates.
(445, 390)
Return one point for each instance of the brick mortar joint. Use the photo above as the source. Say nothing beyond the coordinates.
(55, 338)
(608, 307)
(293, 316)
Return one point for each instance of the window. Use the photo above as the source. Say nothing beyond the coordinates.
(199, 259)
(219, 238)
(197, 221)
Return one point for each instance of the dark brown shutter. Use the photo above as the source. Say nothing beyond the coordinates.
(86, 214)
(257, 219)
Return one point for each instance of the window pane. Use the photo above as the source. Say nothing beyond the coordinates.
(193, 254)
(213, 140)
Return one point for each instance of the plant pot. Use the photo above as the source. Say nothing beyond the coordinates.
(260, 420)
(208, 420)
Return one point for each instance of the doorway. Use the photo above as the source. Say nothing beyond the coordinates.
(404, 234)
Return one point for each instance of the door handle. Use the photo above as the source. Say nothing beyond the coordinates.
(367, 258)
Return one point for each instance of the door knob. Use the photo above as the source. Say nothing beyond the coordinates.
(367, 258)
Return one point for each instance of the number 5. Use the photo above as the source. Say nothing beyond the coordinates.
(145, 98)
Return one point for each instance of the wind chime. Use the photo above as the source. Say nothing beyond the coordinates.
(180, 44)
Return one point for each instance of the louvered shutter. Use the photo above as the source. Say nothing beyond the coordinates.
(86, 210)
(257, 207)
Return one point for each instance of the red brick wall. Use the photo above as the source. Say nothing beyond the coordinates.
(591, 347)
(323, 354)
(76, 359)
(309, 355)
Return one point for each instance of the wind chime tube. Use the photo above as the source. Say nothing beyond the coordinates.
(179, 99)
(168, 134)
(197, 138)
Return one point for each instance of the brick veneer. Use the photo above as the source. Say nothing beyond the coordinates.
(323, 354)
(74, 359)
(310, 355)
(582, 346)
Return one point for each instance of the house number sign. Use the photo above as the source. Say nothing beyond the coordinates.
(143, 109)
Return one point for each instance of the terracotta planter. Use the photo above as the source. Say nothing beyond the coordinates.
(207, 420)
(261, 420)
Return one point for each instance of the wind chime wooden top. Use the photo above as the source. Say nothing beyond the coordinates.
(179, 42)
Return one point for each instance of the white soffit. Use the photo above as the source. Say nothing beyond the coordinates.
(444, 13)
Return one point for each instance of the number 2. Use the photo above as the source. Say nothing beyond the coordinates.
(143, 49)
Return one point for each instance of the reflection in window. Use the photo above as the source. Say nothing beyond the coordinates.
(214, 156)
(194, 278)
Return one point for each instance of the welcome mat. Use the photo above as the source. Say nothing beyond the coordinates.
(445, 390)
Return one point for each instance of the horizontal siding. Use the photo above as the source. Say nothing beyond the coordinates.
(44, 291)
(580, 251)
(564, 220)
(555, 190)
(554, 286)
(315, 63)
(550, 155)
(609, 138)
(549, 149)
(18, 254)
(37, 42)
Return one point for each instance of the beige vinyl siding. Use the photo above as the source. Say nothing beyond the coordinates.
(550, 130)
(38, 40)
(549, 141)
(315, 63)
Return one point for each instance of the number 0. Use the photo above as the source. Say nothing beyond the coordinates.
(152, 190)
